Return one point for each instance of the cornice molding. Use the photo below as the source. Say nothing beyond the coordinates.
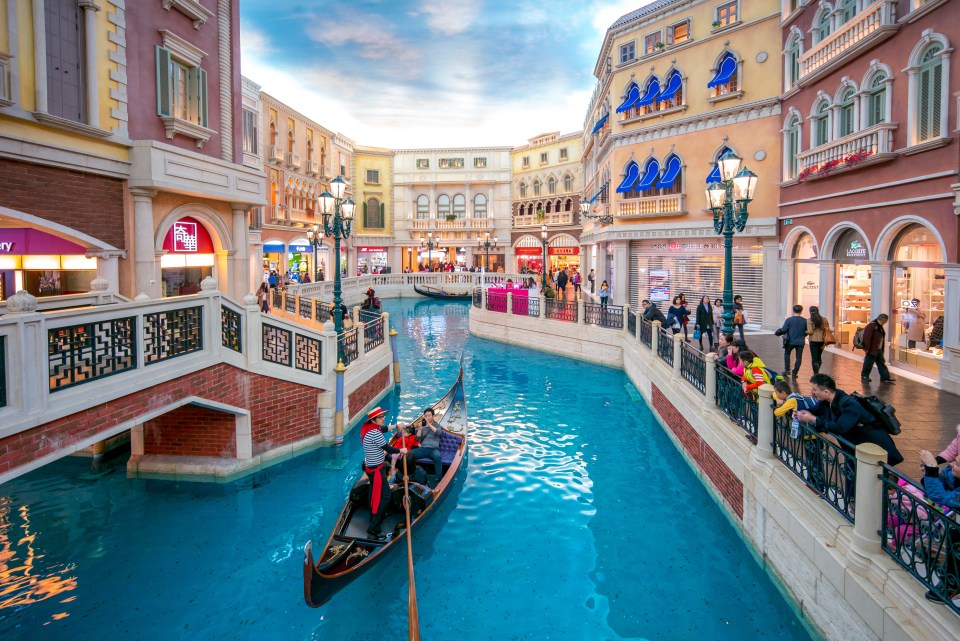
(762, 228)
(190, 8)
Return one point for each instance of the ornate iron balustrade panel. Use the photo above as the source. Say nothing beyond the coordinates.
(665, 347)
(632, 323)
(277, 296)
(561, 310)
(603, 316)
(372, 334)
(827, 468)
(277, 345)
(497, 302)
(347, 343)
(305, 307)
(367, 316)
(739, 407)
(231, 329)
(290, 303)
(3, 371)
(83, 353)
(478, 297)
(308, 354)
(323, 310)
(646, 332)
(693, 366)
(920, 537)
(525, 306)
(172, 333)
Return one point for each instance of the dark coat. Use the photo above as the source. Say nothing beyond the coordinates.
(653, 313)
(704, 316)
(795, 330)
(847, 419)
(874, 337)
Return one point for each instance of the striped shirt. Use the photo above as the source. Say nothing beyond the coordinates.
(373, 443)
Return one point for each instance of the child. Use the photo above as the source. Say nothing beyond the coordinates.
(408, 440)
(788, 401)
(604, 293)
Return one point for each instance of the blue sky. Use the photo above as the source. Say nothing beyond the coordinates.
(430, 73)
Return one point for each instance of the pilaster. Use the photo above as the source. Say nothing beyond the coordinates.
(146, 268)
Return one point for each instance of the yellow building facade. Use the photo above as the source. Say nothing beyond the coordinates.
(679, 82)
(372, 238)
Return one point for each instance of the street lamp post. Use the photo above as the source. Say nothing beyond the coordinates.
(337, 217)
(485, 244)
(543, 269)
(728, 200)
(429, 243)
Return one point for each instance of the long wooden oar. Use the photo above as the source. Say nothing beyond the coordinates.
(413, 625)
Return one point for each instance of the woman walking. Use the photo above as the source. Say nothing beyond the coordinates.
(704, 322)
(685, 319)
(817, 328)
(676, 314)
(263, 297)
(718, 316)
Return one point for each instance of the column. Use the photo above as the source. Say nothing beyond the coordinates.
(146, 270)
(764, 420)
(828, 291)
(90, 10)
(395, 259)
(39, 57)
(237, 283)
(621, 271)
(770, 309)
(788, 290)
(256, 257)
(433, 202)
(108, 267)
(866, 522)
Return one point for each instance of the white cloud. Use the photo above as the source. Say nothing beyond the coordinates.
(254, 41)
(450, 17)
(373, 36)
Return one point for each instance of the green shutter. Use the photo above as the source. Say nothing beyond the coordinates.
(935, 101)
(366, 221)
(201, 78)
(923, 115)
(164, 83)
(383, 217)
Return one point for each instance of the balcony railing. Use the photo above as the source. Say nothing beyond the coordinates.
(293, 160)
(553, 218)
(652, 206)
(866, 146)
(858, 29)
(739, 407)
(274, 154)
(313, 168)
(603, 315)
(665, 346)
(561, 310)
(428, 224)
(693, 366)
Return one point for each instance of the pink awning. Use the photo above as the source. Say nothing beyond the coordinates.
(31, 242)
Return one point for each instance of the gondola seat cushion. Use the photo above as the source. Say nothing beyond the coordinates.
(449, 443)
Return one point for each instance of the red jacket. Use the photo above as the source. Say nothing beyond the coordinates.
(409, 442)
(874, 336)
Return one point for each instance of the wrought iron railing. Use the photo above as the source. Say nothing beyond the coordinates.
(277, 345)
(305, 304)
(90, 351)
(632, 323)
(172, 333)
(277, 296)
(646, 332)
(693, 366)
(525, 305)
(347, 345)
(290, 303)
(497, 301)
(561, 310)
(372, 333)
(323, 310)
(3, 371)
(665, 346)
(922, 537)
(231, 329)
(827, 467)
(603, 315)
(478, 297)
(739, 407)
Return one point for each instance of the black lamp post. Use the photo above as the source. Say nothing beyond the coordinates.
(485, 244)
(543, 270)
(728, 200)
(429, 243)
(337, 217)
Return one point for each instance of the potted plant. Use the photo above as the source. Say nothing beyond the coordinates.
(541, 214)
(450, 217)
(717, 24)
(659, 46)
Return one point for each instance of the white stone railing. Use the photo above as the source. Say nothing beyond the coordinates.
(652, 206)
(844, 153)
(553, 218)
(430, 224)
(353, 290)
(863, 24)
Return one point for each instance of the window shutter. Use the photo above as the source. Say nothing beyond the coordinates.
(669, 35)
(201, 77)
(164, 83)
(935, 94)
(383, 217)
(923, 115)
(365, 219)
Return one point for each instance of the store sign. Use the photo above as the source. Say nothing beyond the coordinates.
(371, 250)
(6, 248)
(188, 236)
(529, 251)
(659, 273)
(300, 249)
(675, 247)
(856, 249)
(24, 241)
(563, 251)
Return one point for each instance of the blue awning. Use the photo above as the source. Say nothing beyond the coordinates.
(670, 172)
(714, 176)
(632, 97)
(633, 172)
(598, 194)
(653, 170)
(673, 86)
(725, 71)
(652, 90)
(599, 124)
(274, 249)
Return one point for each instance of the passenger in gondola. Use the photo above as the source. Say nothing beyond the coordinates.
(375, 449)
(371, 302)
(406, 439)
(428, 434)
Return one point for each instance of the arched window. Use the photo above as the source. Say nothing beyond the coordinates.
(567, 184)
(649, 99)
(290, 140)
(672, 93)
(631, 173)
(792, 60)
(846, 109)
(848, 10)
(631, 96)
(821, 124)
(671, 177)
(823, 25)
(726, 78)
(647, 184)
(459, 206)
(373, 214)
(548, 208)
(309, 152)
(273, 133)
(536, 187)
(930, 94)
(443, 206)
(568, 205)
(791, 148)
(523, 190)
(877, 99)
(480, 206)
(552, 186)
(714, 175)
(423, 207)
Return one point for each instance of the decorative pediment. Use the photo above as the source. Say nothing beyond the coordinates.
(190, 8)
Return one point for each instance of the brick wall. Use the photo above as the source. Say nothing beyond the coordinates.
(281, 412)
(193, 431)
(723, 480)
(368, 391)
(89, 203)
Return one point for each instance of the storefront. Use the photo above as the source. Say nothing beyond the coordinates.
(563, 256)
(916, 329)
(371, 260)
(806, 270)
(529, 259)
(853, 287)
(43, 264)
(300, 259)
(273, 257)
(662, 269)
(189, 257)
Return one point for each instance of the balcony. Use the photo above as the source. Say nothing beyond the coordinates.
(553, 218)
(274, 154)
(274, 215)
(869, 27)
(293, 160)
(652, 206)
(861, 148)
(431, 224)
(313, 168)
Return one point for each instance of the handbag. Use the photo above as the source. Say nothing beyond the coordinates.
(697, 334)
(828, 337)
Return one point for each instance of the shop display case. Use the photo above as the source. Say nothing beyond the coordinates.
(854, 297)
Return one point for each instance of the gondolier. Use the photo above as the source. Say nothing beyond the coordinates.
(374, 449)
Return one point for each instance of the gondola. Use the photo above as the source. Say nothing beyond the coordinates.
(439, 292)
(349, 552)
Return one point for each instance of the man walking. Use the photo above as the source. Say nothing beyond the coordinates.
(593, 282)
(794, 333)
(874, 342)
(562, 281)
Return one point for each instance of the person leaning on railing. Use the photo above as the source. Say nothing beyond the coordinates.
(943, 488)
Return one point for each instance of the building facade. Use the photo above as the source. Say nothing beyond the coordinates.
(452, 199)
(679, 83)
(547, 182)
(869, 171)
(376, 251)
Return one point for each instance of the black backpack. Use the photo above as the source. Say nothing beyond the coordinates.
(858, 340)
(882, 413)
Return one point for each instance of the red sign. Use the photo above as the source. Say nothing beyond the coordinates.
(563, 251)
(529, 251)
(371, 250)
(26, 241)
(188, 236)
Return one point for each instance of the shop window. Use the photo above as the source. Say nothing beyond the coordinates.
(806, 272)
(918, 300)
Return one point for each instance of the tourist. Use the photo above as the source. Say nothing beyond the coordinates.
(575, 279)
(874, 342)
(274, 280)
(371, 302)
(686, 315)
(676, 314)
(739, 315)
(428, 436)
(305, 278)
(593, 279)
(724, 341)
(943, 488)
(734, 364)
(817, 328)
(263, 297)
(950, 453)
(704, 323)
(755, 372)
(794, 333)
(406, 439)
(718, 315)
(604, 294)
(374, 449)
(652, 313)
(562, 281)
(841, 414)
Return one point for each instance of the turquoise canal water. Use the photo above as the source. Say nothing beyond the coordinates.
(577, 519)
